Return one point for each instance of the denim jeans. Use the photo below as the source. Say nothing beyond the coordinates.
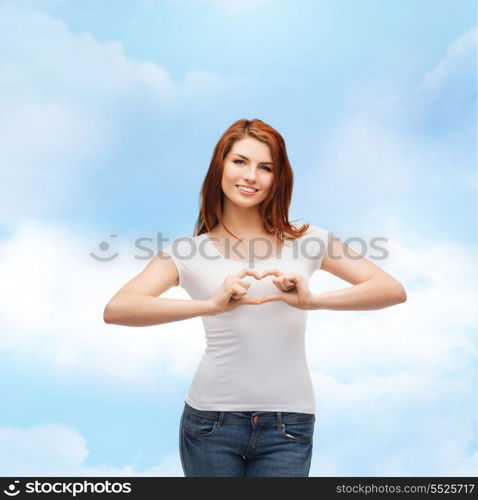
(245, 443)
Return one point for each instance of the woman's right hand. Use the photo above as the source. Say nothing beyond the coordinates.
(232, 292)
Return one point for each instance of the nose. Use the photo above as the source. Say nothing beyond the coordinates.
(250, 174)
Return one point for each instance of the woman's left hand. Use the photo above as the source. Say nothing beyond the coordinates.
(294, 289)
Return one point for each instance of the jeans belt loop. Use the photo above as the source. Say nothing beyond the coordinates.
(279, 421)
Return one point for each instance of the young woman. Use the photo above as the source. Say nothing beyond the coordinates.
(250, 408)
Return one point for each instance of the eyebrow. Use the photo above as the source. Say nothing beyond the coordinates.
(262, 162)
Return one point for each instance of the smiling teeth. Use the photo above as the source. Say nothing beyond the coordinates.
(247, 190)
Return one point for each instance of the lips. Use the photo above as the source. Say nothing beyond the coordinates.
(248, 187)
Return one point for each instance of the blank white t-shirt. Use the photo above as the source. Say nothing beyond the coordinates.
(255, 356)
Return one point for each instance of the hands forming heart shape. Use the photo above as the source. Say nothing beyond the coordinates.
(293, 289)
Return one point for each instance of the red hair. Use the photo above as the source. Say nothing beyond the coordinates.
(275, 207)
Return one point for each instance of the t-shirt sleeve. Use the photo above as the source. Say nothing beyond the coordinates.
(322, 239)
(172, 252)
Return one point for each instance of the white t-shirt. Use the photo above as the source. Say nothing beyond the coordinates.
(255, 356)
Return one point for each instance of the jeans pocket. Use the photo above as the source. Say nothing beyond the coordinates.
(199, 426)
(298, 430)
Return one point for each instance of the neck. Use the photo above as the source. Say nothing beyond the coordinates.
(243, 222)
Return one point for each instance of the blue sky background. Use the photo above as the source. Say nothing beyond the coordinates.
(109, 113)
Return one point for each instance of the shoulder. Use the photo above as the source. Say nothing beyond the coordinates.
(183, 246)
(318, 232)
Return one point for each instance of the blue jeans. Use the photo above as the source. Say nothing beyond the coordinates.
(245, 443)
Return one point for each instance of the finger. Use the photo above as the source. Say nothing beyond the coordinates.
(289, 283)
(294, 277)
(272, 297)
(279, 283)
(299, 282)
(284, 284)
(238, 291)
(248, 272)
(243, 283)
(250, 300)
(271, 272)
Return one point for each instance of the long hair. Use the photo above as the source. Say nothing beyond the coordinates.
(274, 208)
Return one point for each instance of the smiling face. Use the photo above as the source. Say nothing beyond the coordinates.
(249, 163)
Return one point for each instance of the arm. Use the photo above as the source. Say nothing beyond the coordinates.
(373, 288)
(135, 309)
(138, 304)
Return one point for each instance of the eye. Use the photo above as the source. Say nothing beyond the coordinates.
(262, 166)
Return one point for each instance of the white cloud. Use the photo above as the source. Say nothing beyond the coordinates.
(398, 150)
(48, 272)
(40, 449)
(455, 65)
(407, 369)
(395, 387)
(64, 97)
(432, 331)
(407, 424)
(59, 450)
(368, 159)
(365, 160)
(387, 381)
(446, 96)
